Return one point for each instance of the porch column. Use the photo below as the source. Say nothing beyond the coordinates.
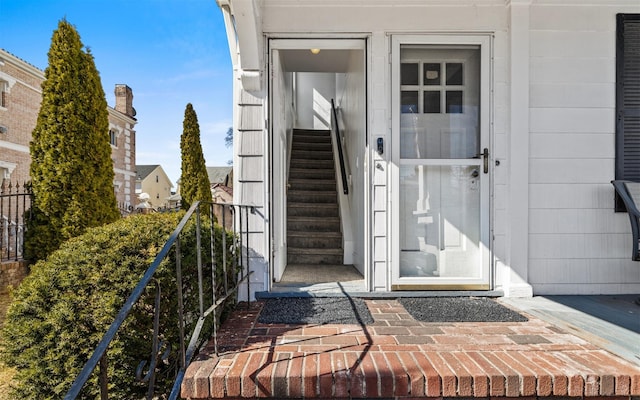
(515, 277)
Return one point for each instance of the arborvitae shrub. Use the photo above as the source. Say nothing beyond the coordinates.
(194, 179)
(63, 308)
(71, 168)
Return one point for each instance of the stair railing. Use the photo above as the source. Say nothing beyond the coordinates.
(336, 130)
(344, 201)
(236, 254)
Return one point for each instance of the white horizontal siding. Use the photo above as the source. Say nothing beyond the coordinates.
(572, 95)
(249, 99)
(575, 195)
(251, 143)
(578, 17)
(573, 44)
(577, 221)
(572, 145)
(251, 193)
(564, 70)
(578, 120)
(613, 271)
(571, 171)
(577, 244)
(252, 169)
(250, 186)
(251, 118)
(585, 289)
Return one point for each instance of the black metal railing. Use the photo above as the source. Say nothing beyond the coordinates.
(15, 205)
(234, 258)
(336, 130)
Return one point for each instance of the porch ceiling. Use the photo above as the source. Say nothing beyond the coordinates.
(324, 61)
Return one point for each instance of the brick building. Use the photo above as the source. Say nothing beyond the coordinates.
(21, 95)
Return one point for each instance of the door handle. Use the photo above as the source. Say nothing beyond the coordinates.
(485, 160)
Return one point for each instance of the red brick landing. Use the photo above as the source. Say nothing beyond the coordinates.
(398, 357)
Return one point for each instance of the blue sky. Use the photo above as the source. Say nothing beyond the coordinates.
(170, 52)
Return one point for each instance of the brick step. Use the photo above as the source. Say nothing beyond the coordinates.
(401, 358)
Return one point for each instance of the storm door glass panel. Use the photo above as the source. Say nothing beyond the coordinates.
(454, 73)
(409, 74)
(432, 101)
(432, 73)
(440, 172)
(409, 101)
(439, 114)
(439, 221)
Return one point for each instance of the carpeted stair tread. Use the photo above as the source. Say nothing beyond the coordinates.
(313, 218)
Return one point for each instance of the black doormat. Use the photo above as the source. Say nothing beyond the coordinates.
(459, 309)
(315, 310)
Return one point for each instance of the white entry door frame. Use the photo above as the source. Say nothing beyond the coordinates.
(441, 162)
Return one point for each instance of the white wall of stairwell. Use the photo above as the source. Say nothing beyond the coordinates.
(351, 100)
(314, 92)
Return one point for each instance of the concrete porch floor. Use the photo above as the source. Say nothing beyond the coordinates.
(399, 357)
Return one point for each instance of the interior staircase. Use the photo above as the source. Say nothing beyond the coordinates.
(314, 236)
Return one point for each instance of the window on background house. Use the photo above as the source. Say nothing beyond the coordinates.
(113, 137)
(3, 93)
(627, 100)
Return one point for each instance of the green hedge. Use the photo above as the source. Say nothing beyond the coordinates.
(63, 308)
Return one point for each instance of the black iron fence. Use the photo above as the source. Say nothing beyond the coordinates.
(15, 203)
(212, 287)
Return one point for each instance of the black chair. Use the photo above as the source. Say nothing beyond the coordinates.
(634, 214)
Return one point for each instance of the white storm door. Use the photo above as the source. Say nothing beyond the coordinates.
(441, 152)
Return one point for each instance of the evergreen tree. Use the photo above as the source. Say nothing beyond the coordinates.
(194, 180)
(71, 166)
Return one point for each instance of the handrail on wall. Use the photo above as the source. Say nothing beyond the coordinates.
(336, 130)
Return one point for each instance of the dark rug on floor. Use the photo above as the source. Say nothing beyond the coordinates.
(315, 310)
(459, 309)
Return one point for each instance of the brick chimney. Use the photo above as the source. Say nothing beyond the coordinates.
(124, 100)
